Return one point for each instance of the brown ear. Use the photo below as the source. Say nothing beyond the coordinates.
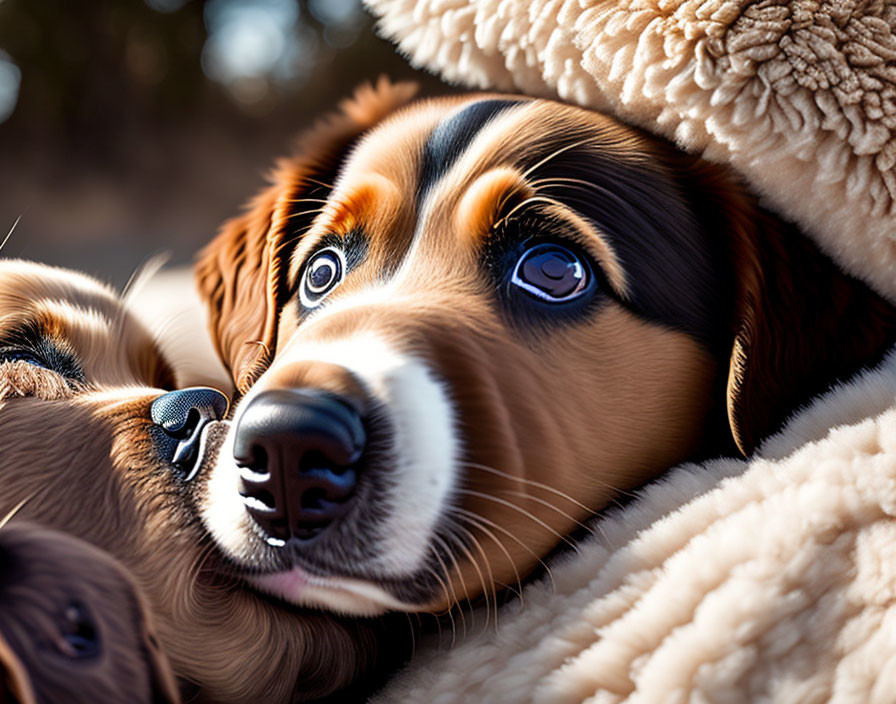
(801, 324)
(164, 685)
(16, 685)
(240, 273)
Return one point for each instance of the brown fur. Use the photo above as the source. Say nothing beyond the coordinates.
(46, 572)
(79, 454)
(246, 258)
(567, 420)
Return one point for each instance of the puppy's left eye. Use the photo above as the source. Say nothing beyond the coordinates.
(552, 273)
(323, 272)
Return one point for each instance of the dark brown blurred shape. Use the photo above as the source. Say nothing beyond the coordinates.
(140, 125)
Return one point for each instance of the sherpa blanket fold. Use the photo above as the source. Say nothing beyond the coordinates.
(799, 96)
(772, 579)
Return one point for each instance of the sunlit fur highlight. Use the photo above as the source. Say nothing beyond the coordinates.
(81, 454)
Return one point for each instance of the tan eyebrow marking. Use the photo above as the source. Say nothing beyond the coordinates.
(485, 199)
(502, 191)
(374, 201)
(608, 260)
(373, 198)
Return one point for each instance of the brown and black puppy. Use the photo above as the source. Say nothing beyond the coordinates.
(462, 325)
(74, 626)
(95, 445)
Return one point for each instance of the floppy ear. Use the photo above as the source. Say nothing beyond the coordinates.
(164, 685)
(240, 274)
(797, 322)
(801, 324)
(15, 685)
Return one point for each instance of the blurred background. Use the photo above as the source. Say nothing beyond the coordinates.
(133, 127)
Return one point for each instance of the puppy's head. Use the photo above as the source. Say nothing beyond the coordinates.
(74, 625)
(460, 334)
(95, 447)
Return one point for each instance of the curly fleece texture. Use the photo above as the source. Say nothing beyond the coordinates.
(768, 580)
(799, 96)
(772, 579)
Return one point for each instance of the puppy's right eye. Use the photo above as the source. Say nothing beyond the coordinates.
(323, 272)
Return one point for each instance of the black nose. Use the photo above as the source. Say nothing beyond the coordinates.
(298, 449)
(181, 415)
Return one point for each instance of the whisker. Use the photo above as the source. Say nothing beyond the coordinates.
(477, 522)
(413, 635)
(312, 211)
(260, 343)
(557, 153)
(597, 524)
(551, 506)
(447, 599)
(456, 600)
(521, 510)
(142, 274)
(545, 487)
(18, 507)
(483, 520)
(559, 181)
(553, 490)
(160, 335)
(308, 200)
(319, 183)
(522, 204)
(475, 563)
(11, 230)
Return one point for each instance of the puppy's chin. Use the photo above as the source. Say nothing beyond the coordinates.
(347, 596)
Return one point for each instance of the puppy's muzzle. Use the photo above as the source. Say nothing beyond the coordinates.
(298, 451)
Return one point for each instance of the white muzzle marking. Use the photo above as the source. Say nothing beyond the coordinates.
(425, 449)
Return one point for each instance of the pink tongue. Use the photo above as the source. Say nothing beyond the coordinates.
(286, 585)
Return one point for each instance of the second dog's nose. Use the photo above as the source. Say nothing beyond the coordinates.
(181, 415)
(297, 449)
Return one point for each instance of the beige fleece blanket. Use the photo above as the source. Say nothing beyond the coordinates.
(768, 580)
(799, 95)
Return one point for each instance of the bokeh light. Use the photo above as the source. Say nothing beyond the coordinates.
(130, 128)
(166, 6)
(10, 81)
(256, 46)
(250, 41)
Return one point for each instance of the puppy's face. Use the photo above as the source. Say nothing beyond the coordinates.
(88, 451)
(460, 331)
(515, 304)
(73, 624)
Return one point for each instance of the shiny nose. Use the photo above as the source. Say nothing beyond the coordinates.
(297, 450)
(181, 416)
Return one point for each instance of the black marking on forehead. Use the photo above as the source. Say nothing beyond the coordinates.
(452, 136)
(673, 264)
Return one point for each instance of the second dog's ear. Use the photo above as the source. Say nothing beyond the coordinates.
(240, 274)
(163, 683)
